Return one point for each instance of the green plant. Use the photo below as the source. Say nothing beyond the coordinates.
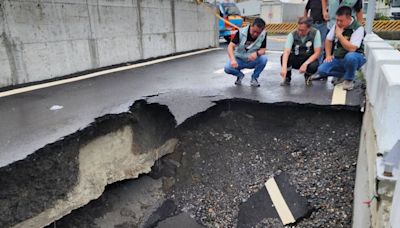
(380, 16)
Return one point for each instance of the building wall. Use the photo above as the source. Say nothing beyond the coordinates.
(45, 39)
(274, 11)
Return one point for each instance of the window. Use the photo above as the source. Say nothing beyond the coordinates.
(395, 3)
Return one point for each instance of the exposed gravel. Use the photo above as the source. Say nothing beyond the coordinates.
(228, 152)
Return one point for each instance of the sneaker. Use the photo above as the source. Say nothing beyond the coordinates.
(239, 80)
(286, 82)
(348, 85)
(254, 82)
(318, 77)
(307, 79)
(336, 81)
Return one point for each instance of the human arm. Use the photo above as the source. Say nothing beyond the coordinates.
(328, 51)
(306, 9)
(355, 40)
(324, 4)
(286, 53)
(360, 17)
(256, 54)
(359, 11)
(260, 51)
(328, 45)
(313, 57)
(231, 48)
(285, 58)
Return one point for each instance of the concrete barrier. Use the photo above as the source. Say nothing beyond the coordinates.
(48, 39)
(372, 38)
(387, 107)
(376, 45)
(375, 60)
(380, 132)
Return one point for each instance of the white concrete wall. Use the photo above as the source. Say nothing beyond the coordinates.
(381, 87)
(380, 131)
(45, 39)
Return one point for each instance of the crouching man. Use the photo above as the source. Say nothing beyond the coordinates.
(247, 50)
(348, 54)
(302, 49)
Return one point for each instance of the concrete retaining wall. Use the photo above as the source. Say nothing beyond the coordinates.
(380, 132)
(46, 39)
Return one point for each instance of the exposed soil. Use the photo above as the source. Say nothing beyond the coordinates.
(226, 154)
(229, 152)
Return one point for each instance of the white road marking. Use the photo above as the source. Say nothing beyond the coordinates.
(56, 107)
(339, 95)
(220, 71)
(279, 202)
(99, 73)
(275, 52)
(246, 71)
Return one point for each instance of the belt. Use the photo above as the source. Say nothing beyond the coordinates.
(319, 22)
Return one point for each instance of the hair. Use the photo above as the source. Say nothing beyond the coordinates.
(305, 20)
(344, 10)
(259, 23)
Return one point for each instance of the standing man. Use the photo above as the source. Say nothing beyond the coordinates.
(314, 7)
(302, 49)
(348, 54)
(247, 50)
(329, 8)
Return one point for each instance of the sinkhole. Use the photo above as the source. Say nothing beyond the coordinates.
(204, 172)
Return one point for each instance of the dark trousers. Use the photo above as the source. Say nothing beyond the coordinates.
(295, 62)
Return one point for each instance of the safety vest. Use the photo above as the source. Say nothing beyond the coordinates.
(306, 48)
(333, 6)
(340, 51)
(240, 50)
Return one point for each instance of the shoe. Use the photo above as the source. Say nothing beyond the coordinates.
(239, 80)
(286, 82)
(336, 81)
(307, 79)
(254, 82)
(348, 85)
(318, 77)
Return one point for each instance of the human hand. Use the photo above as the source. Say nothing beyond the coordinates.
(234, 64)
(338, 31)
(253, 56)
(283, 72)
(303, 68)
(328, 59)
(325, 15)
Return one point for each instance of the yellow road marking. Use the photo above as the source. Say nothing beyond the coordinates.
(279, 202)
(339, 95)
(95, 74)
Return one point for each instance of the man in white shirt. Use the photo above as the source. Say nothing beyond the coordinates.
(348, 55)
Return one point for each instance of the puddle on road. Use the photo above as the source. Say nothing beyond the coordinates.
(226, 154)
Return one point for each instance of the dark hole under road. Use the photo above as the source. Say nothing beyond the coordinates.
(224, 157)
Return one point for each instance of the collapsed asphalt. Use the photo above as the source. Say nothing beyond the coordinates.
(226, 154)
